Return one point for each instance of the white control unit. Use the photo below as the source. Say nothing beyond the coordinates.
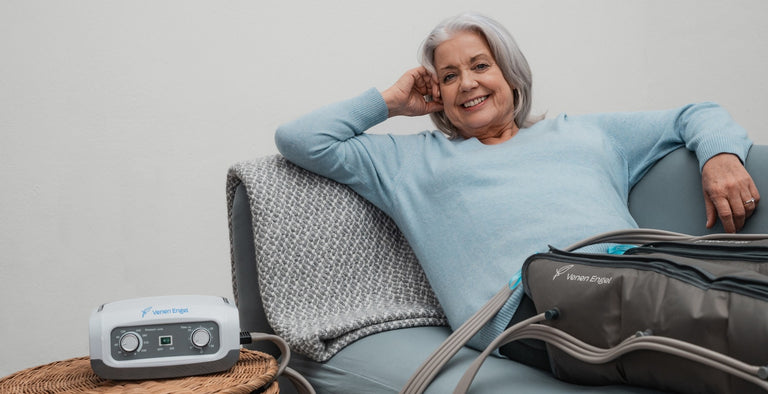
(164, 337)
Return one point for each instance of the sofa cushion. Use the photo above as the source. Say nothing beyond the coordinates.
(383, 362)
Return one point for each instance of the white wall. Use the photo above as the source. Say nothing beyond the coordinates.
(118, 120)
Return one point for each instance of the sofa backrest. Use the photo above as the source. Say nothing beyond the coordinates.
(670, 197)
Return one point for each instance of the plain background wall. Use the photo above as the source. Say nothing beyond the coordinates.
(118, 120)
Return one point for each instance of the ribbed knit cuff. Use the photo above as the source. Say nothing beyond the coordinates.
(721, 144)
(368, 110)
(498, 324)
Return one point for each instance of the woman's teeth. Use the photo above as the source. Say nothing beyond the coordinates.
(474, 102)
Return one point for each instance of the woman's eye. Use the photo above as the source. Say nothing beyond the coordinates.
(448, 77)
(482, 67)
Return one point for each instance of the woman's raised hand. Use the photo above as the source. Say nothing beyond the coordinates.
(415, 93)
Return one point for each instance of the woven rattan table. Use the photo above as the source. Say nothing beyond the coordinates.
(252, 371)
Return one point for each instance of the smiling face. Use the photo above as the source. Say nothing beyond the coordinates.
(476, 97)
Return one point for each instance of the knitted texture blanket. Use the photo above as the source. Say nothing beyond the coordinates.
(332, 268)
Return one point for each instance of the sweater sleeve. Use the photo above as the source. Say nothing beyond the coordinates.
(645, 137)
(331, 142)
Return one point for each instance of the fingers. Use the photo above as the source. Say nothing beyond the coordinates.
(750, 204)
(738, 213)
(421, 81)
(729, 192)
(711, 211)
(733, 210)
(754, 195)
(425, 85)
(436, 90)
(433, 88)
(409, 95)
(729, 217)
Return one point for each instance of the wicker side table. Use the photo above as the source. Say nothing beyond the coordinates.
(252, 371)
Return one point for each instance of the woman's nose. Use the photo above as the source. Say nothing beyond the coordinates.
(468, 83)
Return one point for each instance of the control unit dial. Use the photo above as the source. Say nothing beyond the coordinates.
(201, 338)
(130, 342)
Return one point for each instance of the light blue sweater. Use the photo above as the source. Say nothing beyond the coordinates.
(472, 212)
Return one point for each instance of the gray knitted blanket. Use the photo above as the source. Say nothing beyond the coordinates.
(332, 268)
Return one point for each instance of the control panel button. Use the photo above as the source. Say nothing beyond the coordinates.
(201, 338)
(130, 342)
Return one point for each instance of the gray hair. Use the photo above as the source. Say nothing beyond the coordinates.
(505, 51)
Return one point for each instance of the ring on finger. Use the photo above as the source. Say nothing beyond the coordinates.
(750, 201)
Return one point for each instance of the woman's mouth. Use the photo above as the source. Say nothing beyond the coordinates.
(474, 102)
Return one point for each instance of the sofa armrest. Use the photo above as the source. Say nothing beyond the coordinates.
(245, 278)
(670, 196)
(319, 265)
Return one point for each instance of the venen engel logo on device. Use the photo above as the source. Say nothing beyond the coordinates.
(160, 312)
(600, 280)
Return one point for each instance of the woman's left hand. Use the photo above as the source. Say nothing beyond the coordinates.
(729, 192)
(408, 95)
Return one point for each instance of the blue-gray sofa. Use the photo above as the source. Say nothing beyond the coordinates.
(381, 360)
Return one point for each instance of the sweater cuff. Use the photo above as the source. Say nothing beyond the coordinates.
(369, 109)
(722, 144)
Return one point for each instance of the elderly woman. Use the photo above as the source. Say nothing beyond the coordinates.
(495, 185)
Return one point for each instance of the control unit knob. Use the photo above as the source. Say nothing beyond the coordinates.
(201, 338)
(130, 342)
